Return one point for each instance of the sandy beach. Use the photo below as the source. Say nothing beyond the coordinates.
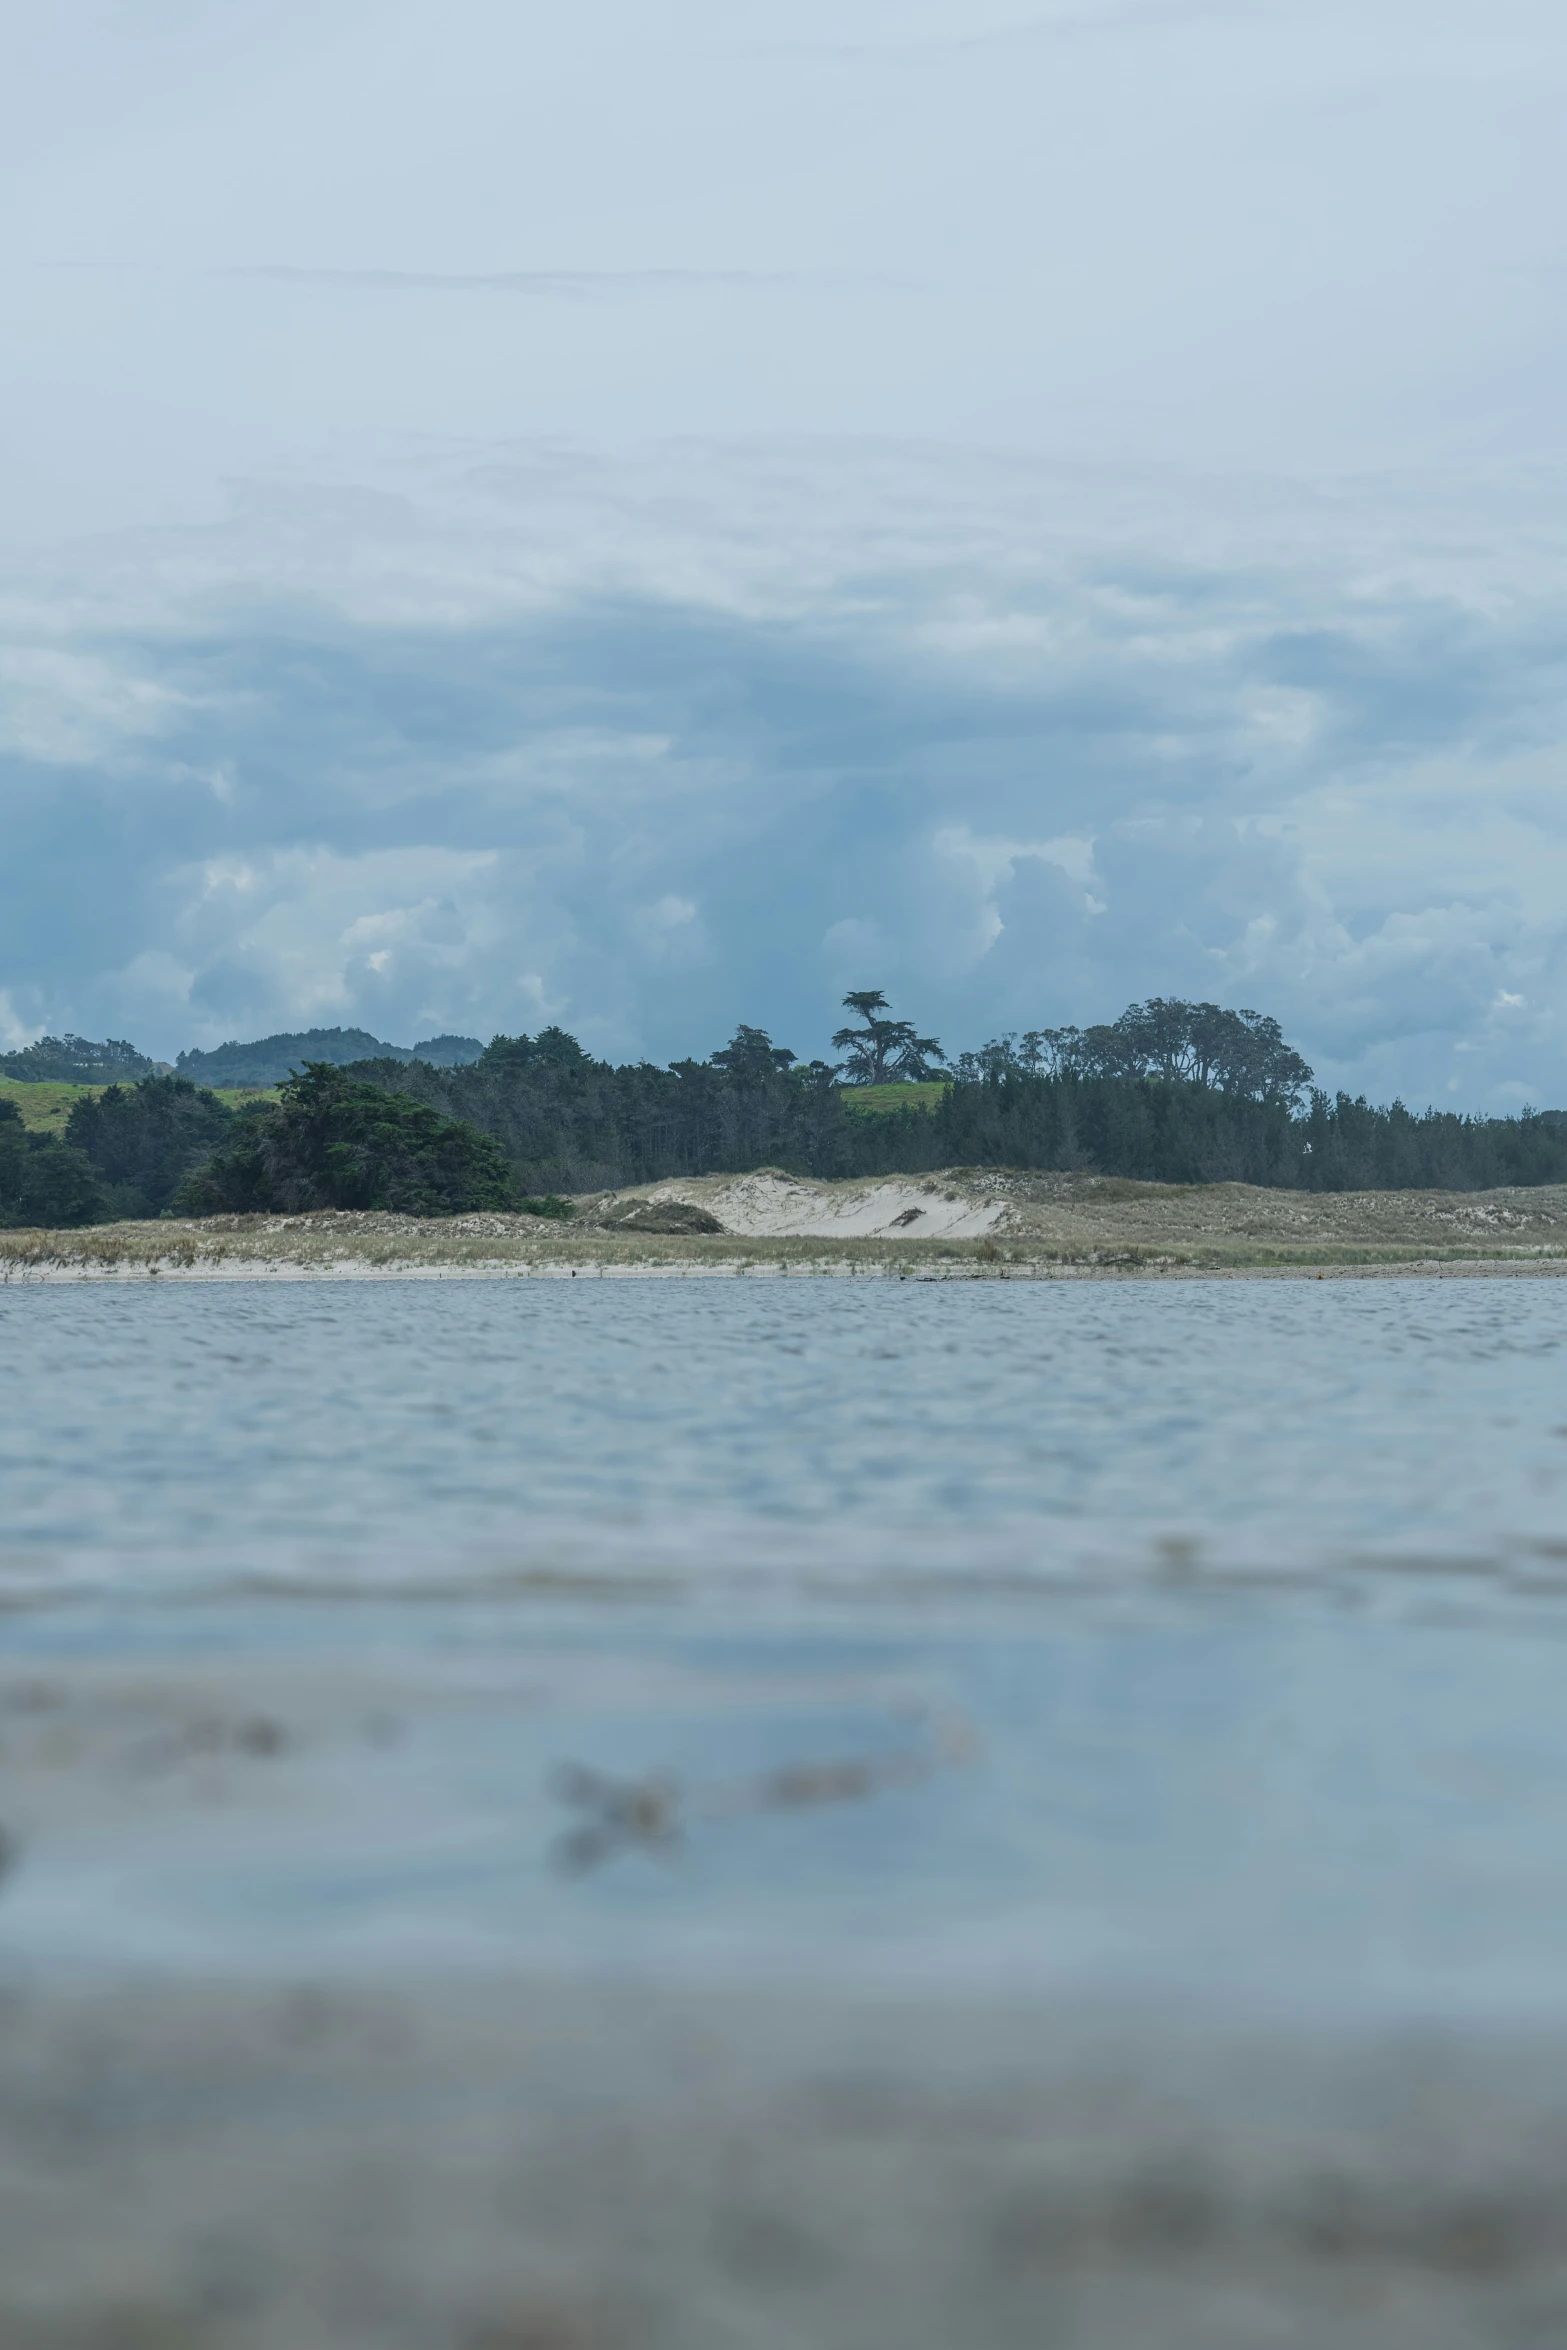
(962, 1224)
(533, 2165)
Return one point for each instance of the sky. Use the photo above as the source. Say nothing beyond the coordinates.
(653, 518)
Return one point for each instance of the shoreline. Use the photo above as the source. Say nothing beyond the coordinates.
(53, 1265)
(281, 1271)
(963, 1224)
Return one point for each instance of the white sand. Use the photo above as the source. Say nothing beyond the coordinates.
(773, 1206)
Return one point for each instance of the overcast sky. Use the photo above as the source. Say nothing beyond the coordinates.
(649, 517)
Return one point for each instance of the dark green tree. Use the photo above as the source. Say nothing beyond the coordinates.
(145, 1139)
(883, 1051)
(335, 1141)
(1241, 1053)
(552, 1048)
(1238, 1052)
(752, 1055)
(43, 1182)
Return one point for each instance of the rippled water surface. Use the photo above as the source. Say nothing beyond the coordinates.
(1203, 1635)
(154, 1439)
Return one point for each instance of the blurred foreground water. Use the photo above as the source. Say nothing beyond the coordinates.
(784, 1813)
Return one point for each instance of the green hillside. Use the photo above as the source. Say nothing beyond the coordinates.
(44, 1107)
(893, 1097)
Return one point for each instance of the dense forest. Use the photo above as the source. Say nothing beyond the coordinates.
(1176, 1130)
(1169, 1093)
(333, 1141)
(143, 1140)
(570, 1123)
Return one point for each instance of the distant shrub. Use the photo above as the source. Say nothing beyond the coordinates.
(332, 1141)
(43, 1181)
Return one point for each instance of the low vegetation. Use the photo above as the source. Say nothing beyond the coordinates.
(1040, 1227)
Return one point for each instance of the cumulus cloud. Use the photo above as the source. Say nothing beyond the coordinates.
(650, 748)
(655, 518)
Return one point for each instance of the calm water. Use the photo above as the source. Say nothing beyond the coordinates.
(1203, 1638)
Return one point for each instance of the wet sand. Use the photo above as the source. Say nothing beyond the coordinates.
(528, 2165)
(367, 2151)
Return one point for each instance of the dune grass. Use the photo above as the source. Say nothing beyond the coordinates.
(342, 1243)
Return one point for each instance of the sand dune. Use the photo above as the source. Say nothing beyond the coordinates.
(771, 1204)
(961, 1223)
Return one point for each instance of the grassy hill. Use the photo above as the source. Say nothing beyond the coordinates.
(894, 1097)
(46, 1106)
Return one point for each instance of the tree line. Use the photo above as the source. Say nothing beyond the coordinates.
(1169, 1093)
(75, 1060)
(1238, 1053)
(266, 1061)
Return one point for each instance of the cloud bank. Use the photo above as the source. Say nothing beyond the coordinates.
(649, 518)
(651, 746)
